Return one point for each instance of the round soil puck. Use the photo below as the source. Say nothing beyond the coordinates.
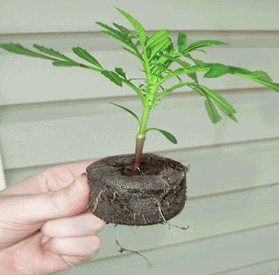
(153, 194)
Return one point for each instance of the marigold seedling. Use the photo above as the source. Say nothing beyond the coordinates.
(157, 55)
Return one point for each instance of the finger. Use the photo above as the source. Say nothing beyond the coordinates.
(81, 225)
(69, 201)
(77, 246)
(40, 183)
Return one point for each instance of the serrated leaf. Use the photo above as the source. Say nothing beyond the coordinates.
(18, 49)
(221, 102)
(86, 56)
(161, 60)
(160, 47)
(124, 41)
(157, 38)
(218, 99)
(217, 70)
(133, 53)
(122, 29)
(113, 77)
(203, 43)
(170, 49)
(120, 72)
(129, 111)
(137, 26)
(260, 75)
(182, 63)
(212, 111)
(194, 77)
(197, 90)
(198, 62)
(113, 31)
(66, 64)
(168, 135)
(52, 52)
(181, 41)
(271, 85)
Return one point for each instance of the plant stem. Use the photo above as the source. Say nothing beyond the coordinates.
(138, 153)
(141, 136)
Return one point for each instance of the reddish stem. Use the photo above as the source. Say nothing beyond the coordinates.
(138, 153)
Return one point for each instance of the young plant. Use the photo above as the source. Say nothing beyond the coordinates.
(157, 55)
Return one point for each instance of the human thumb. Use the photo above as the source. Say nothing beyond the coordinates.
(68, 201)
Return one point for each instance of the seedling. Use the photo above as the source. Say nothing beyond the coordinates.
(157, 56)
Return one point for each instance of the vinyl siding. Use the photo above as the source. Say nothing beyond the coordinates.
(51, 116)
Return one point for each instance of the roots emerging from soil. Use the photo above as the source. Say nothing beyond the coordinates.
(153, 194)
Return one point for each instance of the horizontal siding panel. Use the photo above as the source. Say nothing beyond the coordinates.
(218, 239)
(96, 41)
(51, 16)
(29, 80)
(270, 267)
(207, 217)
(213, 169)
(112, 132)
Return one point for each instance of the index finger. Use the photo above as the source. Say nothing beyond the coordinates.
(51, 179)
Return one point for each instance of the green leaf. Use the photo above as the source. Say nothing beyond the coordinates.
(122, 29)
(157, 38)
(271, 85)
(124, 41)
(129, 111)
(221, 102)
(198, 90)
(168, 135)
(182, 63)
(18, 49)
(160, 47)
(170, 49)
(194, 77)
(181, 42)
(112, 30)
(260, 75)
(137, 26)
(212, 111)
(120, 72)
(133, 53)
(87, 56)
(203, 43)
(113, 77)
(217, 70)
(66, 64)
(52, 52)
(198, 62)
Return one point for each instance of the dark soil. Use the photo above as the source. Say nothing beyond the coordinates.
(152, 195)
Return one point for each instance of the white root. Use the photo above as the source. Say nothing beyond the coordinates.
(97, 199)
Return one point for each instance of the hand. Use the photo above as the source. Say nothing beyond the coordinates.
(45, 226)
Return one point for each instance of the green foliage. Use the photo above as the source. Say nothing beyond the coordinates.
(168, 135)
(181, 42)
(160, 62)
(86, 56)
(112, 76)
(18, 49)
(137, 26)
(212, 111)
(129, 111)
(52, 53)
(203, 43)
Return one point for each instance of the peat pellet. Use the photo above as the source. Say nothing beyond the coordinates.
(153, 194)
